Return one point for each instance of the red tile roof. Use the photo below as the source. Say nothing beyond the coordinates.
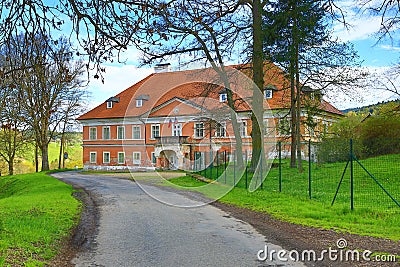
(200, 87)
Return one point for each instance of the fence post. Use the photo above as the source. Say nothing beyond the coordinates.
(280, 165)
(211, 163)
(246, 170)
(217, 165)
(205, 165)
(309, 169)
(234, 168)
(261, 169)
(194, 162)
(225, 167)
(351, 176)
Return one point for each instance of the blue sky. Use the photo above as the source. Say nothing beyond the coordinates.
(376, 56)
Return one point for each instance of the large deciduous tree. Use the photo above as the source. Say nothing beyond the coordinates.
(48, 82)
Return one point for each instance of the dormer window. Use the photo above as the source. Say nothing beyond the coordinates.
(110, 102)
(269, 91)
(140, 99)
(223, 97)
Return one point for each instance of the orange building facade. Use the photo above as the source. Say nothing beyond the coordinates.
(181, 120)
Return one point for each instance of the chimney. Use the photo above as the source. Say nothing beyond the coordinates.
(162, 67)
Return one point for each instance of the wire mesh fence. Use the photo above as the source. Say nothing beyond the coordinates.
(333, 172)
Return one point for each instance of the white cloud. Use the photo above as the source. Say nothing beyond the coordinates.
(116, 79)
(362, 23)
(390, 47)
(370, 94)
(361, 27)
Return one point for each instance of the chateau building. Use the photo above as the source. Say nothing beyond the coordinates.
(174, 119)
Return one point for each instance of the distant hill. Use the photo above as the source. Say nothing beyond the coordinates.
(367, 108)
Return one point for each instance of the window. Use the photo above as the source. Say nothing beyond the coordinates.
(153, 158)
(139, 103)
(177, 129)
(136, 158)
(106, 132)
(93, 157)
(220, 131)
(155, 130)
(136, 132)
(199, 130)
(92, 133)
(267, 93)
(243, 128)
(120, 132)
(223, 97)
(266, 127)
(109, 104)
(121, 157)
(106, 157)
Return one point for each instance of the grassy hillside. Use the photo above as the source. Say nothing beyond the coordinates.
(36, 212)
(26, 164)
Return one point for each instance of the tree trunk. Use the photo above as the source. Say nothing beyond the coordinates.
(60, 156)
(298, 111)
(258, 79)
(36, 157)
(11, 166)
(45, 157)
(293, 118)
(236, 131)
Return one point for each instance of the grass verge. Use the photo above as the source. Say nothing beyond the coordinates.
(36, 213)
(303, 211)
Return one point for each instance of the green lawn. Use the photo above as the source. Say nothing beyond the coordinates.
(375, 214)
(36, 212)
(325, 180)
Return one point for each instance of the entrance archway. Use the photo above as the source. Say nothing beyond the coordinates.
(169, 159)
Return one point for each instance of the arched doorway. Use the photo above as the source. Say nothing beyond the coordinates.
(168, 160)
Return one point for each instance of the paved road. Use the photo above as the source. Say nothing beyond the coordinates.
(136, 230)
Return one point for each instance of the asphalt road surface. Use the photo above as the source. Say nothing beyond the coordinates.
(134, 229)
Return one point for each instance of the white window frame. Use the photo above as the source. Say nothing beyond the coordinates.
(90, 133)
(109, 157)
(220, 125)
(109, 132)
(153, 158)
(198, 128)
(118, 159)
(223, 97)
(268, 93)
(152, 131)
(135, 160)
(176, 129)
(123, 132)
(139, 103)
(243, 128)
(109, 104)
(95, 157)
(133, 132)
